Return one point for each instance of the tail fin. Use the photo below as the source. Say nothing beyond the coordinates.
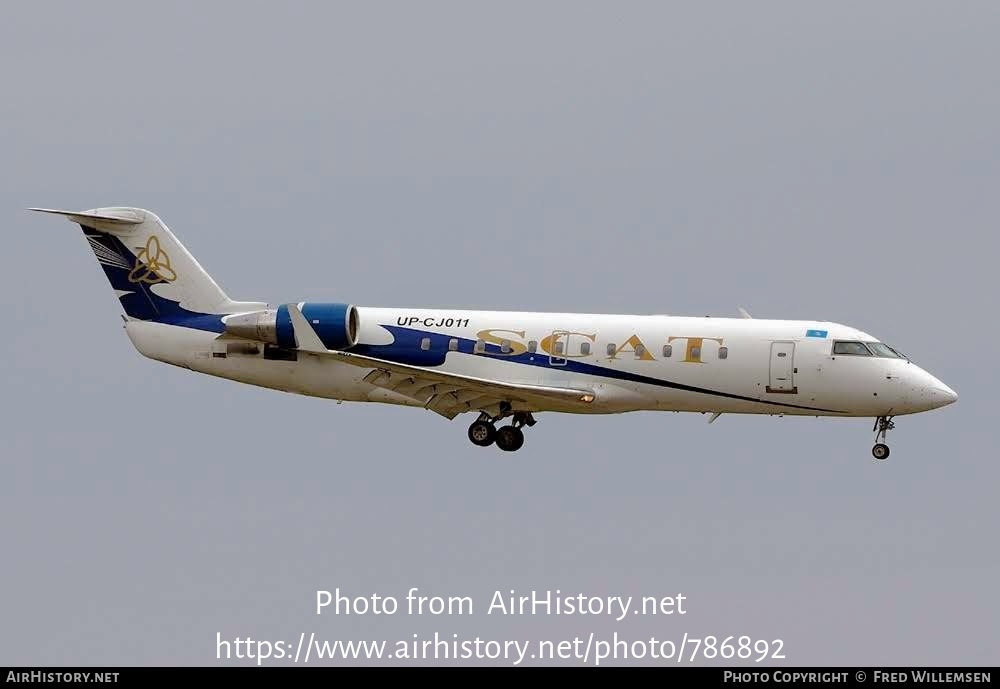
(151, 272)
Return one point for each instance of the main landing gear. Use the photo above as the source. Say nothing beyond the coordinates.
(483, 431)
(883, 425)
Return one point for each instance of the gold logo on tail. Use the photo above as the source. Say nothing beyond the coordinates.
(152, 265)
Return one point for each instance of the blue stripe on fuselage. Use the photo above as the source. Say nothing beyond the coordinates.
(405, 349)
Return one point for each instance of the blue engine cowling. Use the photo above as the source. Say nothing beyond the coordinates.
(337, 325)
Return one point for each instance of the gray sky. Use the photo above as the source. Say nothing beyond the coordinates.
(823, 162)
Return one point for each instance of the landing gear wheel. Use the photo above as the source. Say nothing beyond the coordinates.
(883, 425)
(880, 451)
(509, 438)
(482, 433)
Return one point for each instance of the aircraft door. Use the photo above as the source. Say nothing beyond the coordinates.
(558, 344)
(781, 370)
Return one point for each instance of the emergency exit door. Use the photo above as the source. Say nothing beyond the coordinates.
(782, 369)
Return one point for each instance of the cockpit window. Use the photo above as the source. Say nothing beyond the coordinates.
(854, 348)
(879, 349)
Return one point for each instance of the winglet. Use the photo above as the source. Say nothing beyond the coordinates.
(743, 312)
(305, 336)
(120, 217)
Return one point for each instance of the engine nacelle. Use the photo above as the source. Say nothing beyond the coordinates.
(337, 325)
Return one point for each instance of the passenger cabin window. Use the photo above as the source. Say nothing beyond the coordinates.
(453, 345)
(480, 346)
(505, 346)
(425, 343)
(639, 351)
(611, 349)
(852, 348)
(723, 352)
(585, 348)
(532, 346)
(696, 352)
(558, 347)
(667, 351)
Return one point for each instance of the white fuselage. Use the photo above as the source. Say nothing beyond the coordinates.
(724, 365)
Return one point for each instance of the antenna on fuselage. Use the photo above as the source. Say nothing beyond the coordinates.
(743, 312)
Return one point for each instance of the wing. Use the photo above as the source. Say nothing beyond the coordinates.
(448, 394)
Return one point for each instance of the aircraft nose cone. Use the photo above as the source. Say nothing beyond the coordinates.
(933, 393)
(942, 395)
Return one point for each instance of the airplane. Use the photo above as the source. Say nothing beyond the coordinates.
(496, 364)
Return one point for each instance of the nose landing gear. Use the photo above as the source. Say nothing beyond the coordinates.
(483, 431)
(883, 425)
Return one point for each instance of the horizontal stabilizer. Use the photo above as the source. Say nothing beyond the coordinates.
(120, 217)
